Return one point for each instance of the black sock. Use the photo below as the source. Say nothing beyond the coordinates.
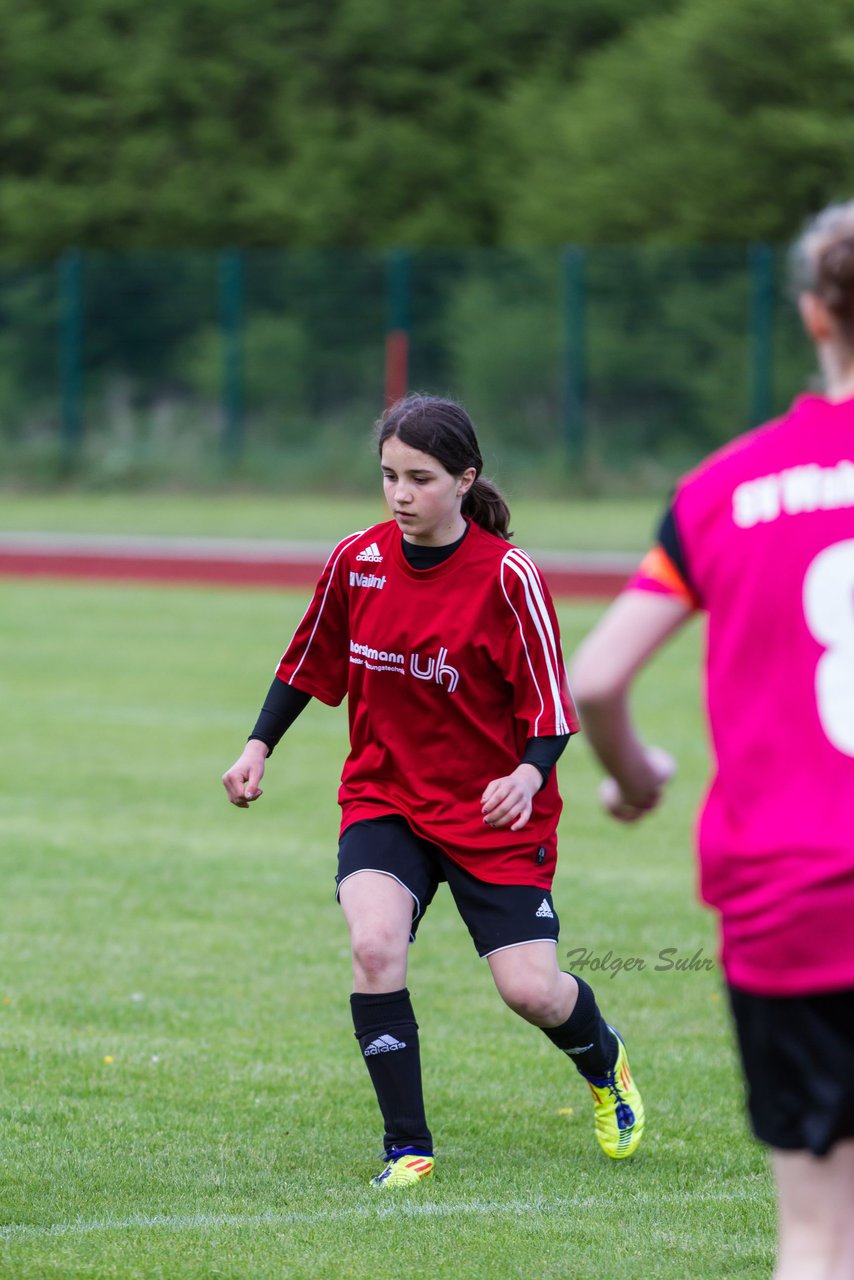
(585, 1036)
(388, 1034)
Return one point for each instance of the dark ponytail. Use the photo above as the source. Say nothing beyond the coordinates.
(485, 505)
(443, 429)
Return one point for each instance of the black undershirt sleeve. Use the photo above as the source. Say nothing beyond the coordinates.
(544, 753)
(281, 707)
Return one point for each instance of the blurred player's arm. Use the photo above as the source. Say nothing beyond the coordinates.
(281, 707)
(605, 665)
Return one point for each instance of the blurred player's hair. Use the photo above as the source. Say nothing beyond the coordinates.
(823, 263)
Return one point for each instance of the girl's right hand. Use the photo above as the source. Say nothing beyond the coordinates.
(242, 780)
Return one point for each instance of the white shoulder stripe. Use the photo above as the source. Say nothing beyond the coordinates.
(532, 576)
(541, 616)
(527, 653)
(331, 563)
(527, 572)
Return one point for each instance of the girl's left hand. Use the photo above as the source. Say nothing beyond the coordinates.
(508, 801)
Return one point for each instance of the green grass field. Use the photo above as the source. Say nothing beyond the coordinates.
(182, 1096)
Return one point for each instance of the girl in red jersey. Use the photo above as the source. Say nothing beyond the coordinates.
(443, 637)
(761, 538)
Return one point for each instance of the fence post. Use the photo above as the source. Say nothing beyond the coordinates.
(70, 353)
(231, 322)
(397, 291)
(573, 295)
(761, 265)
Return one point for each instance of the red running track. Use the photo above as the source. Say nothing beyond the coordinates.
(244, 563)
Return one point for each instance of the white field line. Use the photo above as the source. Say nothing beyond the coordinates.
(394, 1207)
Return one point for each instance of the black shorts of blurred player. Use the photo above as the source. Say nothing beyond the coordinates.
(798, 1059)
(498, 916)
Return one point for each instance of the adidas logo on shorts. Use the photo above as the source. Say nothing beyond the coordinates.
(544, 911)
(371, 553)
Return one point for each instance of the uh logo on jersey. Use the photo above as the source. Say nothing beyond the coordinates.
(437, 669)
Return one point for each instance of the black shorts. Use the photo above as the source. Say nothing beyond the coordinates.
(497, 915)
(798, 1059)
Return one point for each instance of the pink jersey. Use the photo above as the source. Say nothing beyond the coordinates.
(448, 672)
(762, 537)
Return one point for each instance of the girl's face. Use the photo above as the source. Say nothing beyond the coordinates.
(422, 496)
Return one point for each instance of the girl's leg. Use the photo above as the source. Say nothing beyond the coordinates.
(564, 1007)
(378, 911)
(816, 1228)
(530, 982)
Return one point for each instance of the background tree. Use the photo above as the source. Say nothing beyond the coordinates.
(146, 124)
(713, 122)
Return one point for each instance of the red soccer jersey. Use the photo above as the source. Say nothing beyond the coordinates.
(448, 671)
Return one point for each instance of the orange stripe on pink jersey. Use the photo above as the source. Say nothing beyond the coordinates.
(657, 572)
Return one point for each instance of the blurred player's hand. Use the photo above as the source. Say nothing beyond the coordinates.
(628, 804)
(509, 800)
(242, 780)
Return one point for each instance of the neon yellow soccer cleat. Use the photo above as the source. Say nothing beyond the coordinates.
(404, 1167)
(618, 1111)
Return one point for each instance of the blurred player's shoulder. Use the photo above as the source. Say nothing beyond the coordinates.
(734, 455)
(792, 438)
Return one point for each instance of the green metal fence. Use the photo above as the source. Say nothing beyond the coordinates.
(597, 364)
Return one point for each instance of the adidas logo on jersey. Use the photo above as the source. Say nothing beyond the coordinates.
(544, 911)
(371, 553)
(384, 1044)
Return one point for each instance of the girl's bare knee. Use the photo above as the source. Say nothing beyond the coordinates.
(533, 999)
(377, 955)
